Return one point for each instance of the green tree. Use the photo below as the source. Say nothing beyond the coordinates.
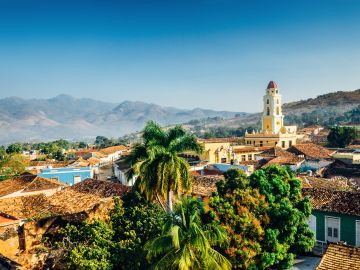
(187, 241)
(15, 148)
(265, 216)
(157, 163)
(341, 136)
(134, 223)
(88, 245)
(11, 165)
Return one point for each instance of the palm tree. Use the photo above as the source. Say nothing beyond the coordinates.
(186, 242)
(156, 161)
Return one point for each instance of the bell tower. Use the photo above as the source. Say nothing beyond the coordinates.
(272, 118)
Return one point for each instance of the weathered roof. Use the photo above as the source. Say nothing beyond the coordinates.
(250, 149)
(113, 149)
(15, 184)
(205, 185)
(221, 140)
(284, 160)
(100, 188)
(27, 182)
(343, 202)
(339, 256)
(326, 183)
(311, 150)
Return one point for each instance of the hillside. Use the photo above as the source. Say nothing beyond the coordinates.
(70, 118)
(324, 109)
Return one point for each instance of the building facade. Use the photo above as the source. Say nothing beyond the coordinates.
(273, 132)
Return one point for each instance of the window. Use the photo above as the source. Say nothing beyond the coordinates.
(77, 179)
(277, 110)
(283, 144)
(290, 143)
(277, 91)
(243, 157)
(261, 143)
(332, 229)
(267, 111)
(357, 232)
(277, 101)
(267, 101)
(249, 156)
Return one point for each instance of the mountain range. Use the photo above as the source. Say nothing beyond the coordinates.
(30, 120)
(66, 117)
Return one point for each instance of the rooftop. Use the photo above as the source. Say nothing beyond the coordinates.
(311, 150)
(27, 182)
(249, 149)
(113, 149)
(272, 85)
(205, 185)
(326, 183)
(338, 256)
(327, 200)
(100, 188)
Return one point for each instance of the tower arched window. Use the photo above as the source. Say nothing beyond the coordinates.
(267, 101)
(277, 110)
(277, 101)
(267, 111)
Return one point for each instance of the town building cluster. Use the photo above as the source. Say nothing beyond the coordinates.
(34, 203)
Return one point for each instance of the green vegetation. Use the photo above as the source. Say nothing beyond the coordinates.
(265, 216)
(11, 165)
(341, 136)
(156, 161)
(187, 241)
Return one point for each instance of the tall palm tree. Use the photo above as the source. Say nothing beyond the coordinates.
(186, 242)
(156, 161)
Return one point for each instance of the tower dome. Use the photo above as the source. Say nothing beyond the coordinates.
(272, 85)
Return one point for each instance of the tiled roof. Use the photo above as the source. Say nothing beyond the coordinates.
(15, 184)
(338, 256)
(205, 185)
(311, 150)
(271, 85)
(113, 149)
(100, 188)
(63, 202)
(249, 149)
(27, 182)
(284, 160)
(53, 163)
(343, 202)
(326, 183)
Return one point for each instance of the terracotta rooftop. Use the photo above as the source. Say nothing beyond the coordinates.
(311, 150)
(205, 185)
(100, 188)
(339, 256)
(53, 163)
(326, 183)
(284, 160)
(271, 85)
(27, 182)
(63, 202)
(343, 202)
(113, 149)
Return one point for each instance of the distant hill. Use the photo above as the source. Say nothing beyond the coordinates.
(70, 118)
(324, 109)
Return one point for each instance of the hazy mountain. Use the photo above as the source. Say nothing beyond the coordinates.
(70, 118)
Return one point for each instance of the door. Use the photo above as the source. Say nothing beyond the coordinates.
(357, 233)
(332, 229)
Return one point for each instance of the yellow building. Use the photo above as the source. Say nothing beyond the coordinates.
(273, 132)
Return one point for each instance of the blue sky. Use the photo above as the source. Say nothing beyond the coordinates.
(200, 53)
